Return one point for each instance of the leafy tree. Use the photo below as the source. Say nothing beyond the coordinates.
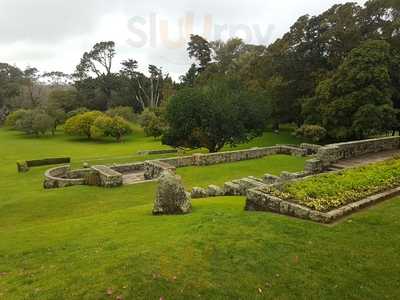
(215, 115)
(34, 122)
(65, 99)
(153, 122)
(57, 114)
(356, 91)
(33, 87)
(10, 86)
(199, 48)
(147, 91)
(43, 123)
(80, 125)
(56, 79)
(227, 54)
(314, 133)
(124, 112)
(115, 127)
(14, 117)
(189, 78)
(96, 67)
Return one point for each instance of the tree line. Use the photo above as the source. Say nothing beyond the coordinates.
(335, 75)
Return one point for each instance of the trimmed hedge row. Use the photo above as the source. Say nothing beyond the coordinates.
(23, 166)
(329, 191)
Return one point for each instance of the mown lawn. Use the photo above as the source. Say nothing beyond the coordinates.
(79, 243)
(219, 174)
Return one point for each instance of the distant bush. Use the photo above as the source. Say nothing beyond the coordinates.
(77, 111)
(153, 122)
(96, 124)
(34, 122)
(80, 125)
(14, 117)
(105, 126)
(124, 112)
(312, 132)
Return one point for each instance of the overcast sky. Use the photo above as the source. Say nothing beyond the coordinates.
(53, 34)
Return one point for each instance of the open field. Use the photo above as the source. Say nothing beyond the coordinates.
(79, 243)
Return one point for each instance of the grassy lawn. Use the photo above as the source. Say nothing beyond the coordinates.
(219, 174)
(77, 243)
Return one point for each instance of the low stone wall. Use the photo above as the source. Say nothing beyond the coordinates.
(108, 177)
(60, 177)
(311, 148)
(63, 176)
(331, 154)
(128, 168)
(257, 200)
(240, 187)
(154, 169)
(232, 156)
(157, 152)
(314, 166)
(24, 166)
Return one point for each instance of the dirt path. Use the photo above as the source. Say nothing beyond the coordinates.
(367, 159)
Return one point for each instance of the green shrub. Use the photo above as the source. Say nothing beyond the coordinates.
(312, 132)
(105, 126)
(80, 125)
(328, 191)
(14, 117)
(153, 122)
(48, 161)
(34, 122)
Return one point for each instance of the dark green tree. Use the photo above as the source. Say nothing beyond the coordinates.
(221, 113)
(199, 48)
(357, 91)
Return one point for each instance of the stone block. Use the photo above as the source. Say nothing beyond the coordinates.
(214, 191)
(171, 198)
(198, 192)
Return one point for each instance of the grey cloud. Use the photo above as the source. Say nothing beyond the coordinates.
(53, 34)
(40, 21)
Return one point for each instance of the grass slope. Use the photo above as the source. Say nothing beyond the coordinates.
(79, 242)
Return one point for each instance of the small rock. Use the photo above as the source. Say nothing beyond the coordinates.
(214, 191)
(198, 192)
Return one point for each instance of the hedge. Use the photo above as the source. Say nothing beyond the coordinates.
(23, 166)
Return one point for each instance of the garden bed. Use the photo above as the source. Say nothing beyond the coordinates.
(327, 192)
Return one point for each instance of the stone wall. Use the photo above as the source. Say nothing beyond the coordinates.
(240, 187)
(112, 175)
(258, 200)
(59, 177)
(24, 166)
(108, 177)
(331, 154)
(63, 176)
(311, 148)
(157, 152)
(154, 169)
(128, 168)
(232, 156)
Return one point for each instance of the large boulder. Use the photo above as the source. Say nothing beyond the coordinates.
(171, 197)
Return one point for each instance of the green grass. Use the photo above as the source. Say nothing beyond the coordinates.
(76, 243)
(329, 191)
(219, 174)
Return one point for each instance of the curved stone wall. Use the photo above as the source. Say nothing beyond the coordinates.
(60, 177)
